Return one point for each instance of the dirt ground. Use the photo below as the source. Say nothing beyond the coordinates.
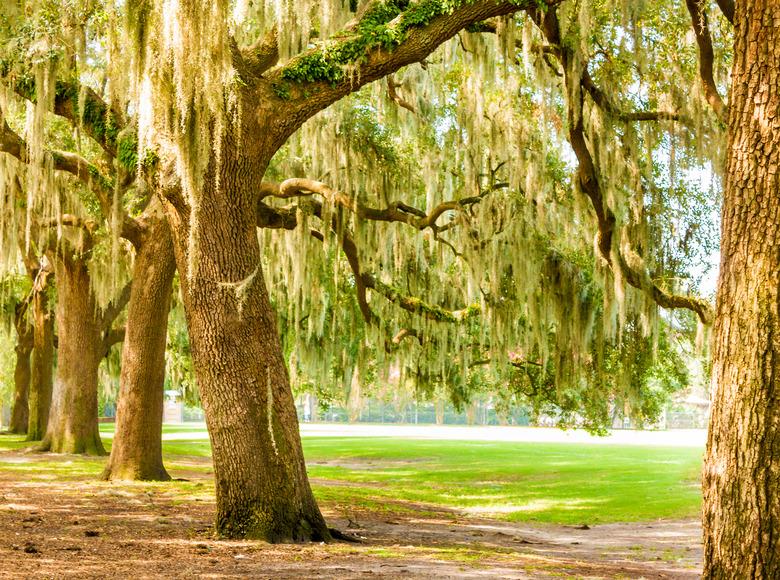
(81, 528)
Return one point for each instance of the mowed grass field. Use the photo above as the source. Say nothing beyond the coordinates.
(559, 483)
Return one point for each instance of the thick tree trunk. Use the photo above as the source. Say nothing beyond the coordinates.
(741, 478)
(24, 345)
(262, 488)
(73, 424)
(136, 452)
(42, 375)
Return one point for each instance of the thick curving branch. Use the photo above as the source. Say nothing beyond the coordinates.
(252, 61)
(395, 212)
(116, 306)
(383, 40)
(629, 264)
(112, 337)
(285, 218)
(87, 173)
(99, 121)
(701, 28)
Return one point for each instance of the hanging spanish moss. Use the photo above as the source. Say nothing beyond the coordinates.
(485, 121)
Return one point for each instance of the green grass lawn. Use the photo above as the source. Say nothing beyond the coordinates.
(559, 483)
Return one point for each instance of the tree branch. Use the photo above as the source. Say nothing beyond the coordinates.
(261, 56)
(96, 118)
(116, 306)
(727, 7)
(417, 306)
(112, 337)
(706, 57)
(395, 212)
(83, 170)
(392, 92)
(604, 103)
(381, 42)
(588, 178)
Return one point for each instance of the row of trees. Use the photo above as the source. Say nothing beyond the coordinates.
(449, 228)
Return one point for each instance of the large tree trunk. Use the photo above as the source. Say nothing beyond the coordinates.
(42, 379)
(136, 452)
(262, 488)
(73, 421)
(742, 468)
(24, 345)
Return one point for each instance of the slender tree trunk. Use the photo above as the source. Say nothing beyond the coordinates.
(262, 488)
(24, 345)
(741, 480)
(42, 379)
(136, 452)
(439, 405)
(73, 424)
(355, 398)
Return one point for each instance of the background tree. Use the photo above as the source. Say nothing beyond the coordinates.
(16, 301)
(104, 163)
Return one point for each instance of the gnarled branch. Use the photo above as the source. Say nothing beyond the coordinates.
(701, 27)
(83, 170)
(361, 54)
(588, 178)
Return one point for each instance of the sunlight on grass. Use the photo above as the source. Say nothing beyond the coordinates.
(558, 483)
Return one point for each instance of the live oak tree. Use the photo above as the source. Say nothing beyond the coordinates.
(557, 121)
(15, 308)
(42, 357)
(213, 113)
(742, 466)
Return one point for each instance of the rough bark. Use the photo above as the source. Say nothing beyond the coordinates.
(262, 489)
(42, 375)
(741, 479)
(23, 349)
(73, 424)
(136, 452)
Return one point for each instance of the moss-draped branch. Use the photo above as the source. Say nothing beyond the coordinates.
(631, 267)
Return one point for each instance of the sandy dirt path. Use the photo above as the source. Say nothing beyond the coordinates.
(81, 528)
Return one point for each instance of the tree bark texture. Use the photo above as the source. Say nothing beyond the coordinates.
(136, 452)
(42, 373)
(73, 424)
(741, 479)
(262, 489)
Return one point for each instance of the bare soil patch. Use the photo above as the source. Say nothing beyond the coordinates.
(82, 528)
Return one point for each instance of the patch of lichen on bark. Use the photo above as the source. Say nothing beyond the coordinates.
(419, 306)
